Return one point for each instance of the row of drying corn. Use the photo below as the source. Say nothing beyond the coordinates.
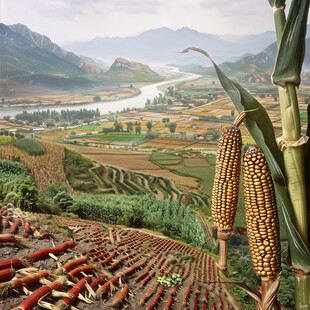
(259, 197)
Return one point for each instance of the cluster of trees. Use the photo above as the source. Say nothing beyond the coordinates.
(173, 93)
(118, 127)
(171, 125)
(156, 100)
(53, 116)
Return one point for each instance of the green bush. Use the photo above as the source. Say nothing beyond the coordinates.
(7, 166)
(17, 187)
(71, 215)
(77, 168)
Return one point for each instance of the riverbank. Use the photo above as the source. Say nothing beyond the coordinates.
(58, 100)
(109, 106)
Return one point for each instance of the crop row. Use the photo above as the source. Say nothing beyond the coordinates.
(107, 257)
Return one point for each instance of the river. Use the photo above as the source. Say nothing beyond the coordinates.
(149, 91)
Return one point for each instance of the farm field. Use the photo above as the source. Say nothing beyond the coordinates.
(136, 258)
(120, 137)
(86, 177)
(62, 98)
(131, 160)
(64, 133)
(191, 164)
(303, 117)
(46, 170)
(6, 125)
(173, 143)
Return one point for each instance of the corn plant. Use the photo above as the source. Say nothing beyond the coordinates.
(287, 164)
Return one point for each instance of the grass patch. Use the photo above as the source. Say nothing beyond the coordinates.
(304, 117)
(195, 162)
(120, 137)
(30, 146)
(165, 159)
(7, 139)
(168, 162)
(90, 127)
(211, 159)
(201, 173)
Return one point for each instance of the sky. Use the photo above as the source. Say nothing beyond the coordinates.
(66, 21)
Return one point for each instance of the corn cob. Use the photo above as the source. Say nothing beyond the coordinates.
(226, 179)
(261, 214)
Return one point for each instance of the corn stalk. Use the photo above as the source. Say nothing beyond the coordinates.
(286, 75)
(291, 45)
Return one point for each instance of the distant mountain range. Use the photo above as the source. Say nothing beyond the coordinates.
(161, 46)
(249, 69)
(30, 58)
(25, 51)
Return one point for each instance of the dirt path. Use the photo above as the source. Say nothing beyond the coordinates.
(175, 188)
(206, 227)
(121, 176)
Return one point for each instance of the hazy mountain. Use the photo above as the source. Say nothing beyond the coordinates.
(162, 46)
(122, 68)
(24, 53)
(32, 59)
(45, 43)
(19, 55)
(99, 63)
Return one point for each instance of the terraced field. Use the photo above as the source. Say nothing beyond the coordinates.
(121, 181)
(170, 143)
(191, 164)
(131, 160)
(122, 267)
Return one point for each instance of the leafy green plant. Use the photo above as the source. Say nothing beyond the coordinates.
(167, 216)
(170, 281)
(30, 146)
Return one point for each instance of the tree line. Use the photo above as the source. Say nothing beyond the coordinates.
(63, 116)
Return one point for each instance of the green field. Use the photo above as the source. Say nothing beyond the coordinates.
(7, 139)
(195, 162)
(30, 146)
(166, 159)
(186, 92)
(211, 159)
(90, 127)
(304, 117)
(198, 172)
(121, 137)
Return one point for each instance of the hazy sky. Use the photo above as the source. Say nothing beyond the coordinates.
(76, 20)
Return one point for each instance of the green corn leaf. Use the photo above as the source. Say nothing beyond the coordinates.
(261, 129)
(292, 46)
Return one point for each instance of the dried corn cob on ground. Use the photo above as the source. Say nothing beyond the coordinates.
(226, 180)
(261, 214)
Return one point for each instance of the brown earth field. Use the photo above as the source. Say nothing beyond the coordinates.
(97, 251)
(135, 161)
